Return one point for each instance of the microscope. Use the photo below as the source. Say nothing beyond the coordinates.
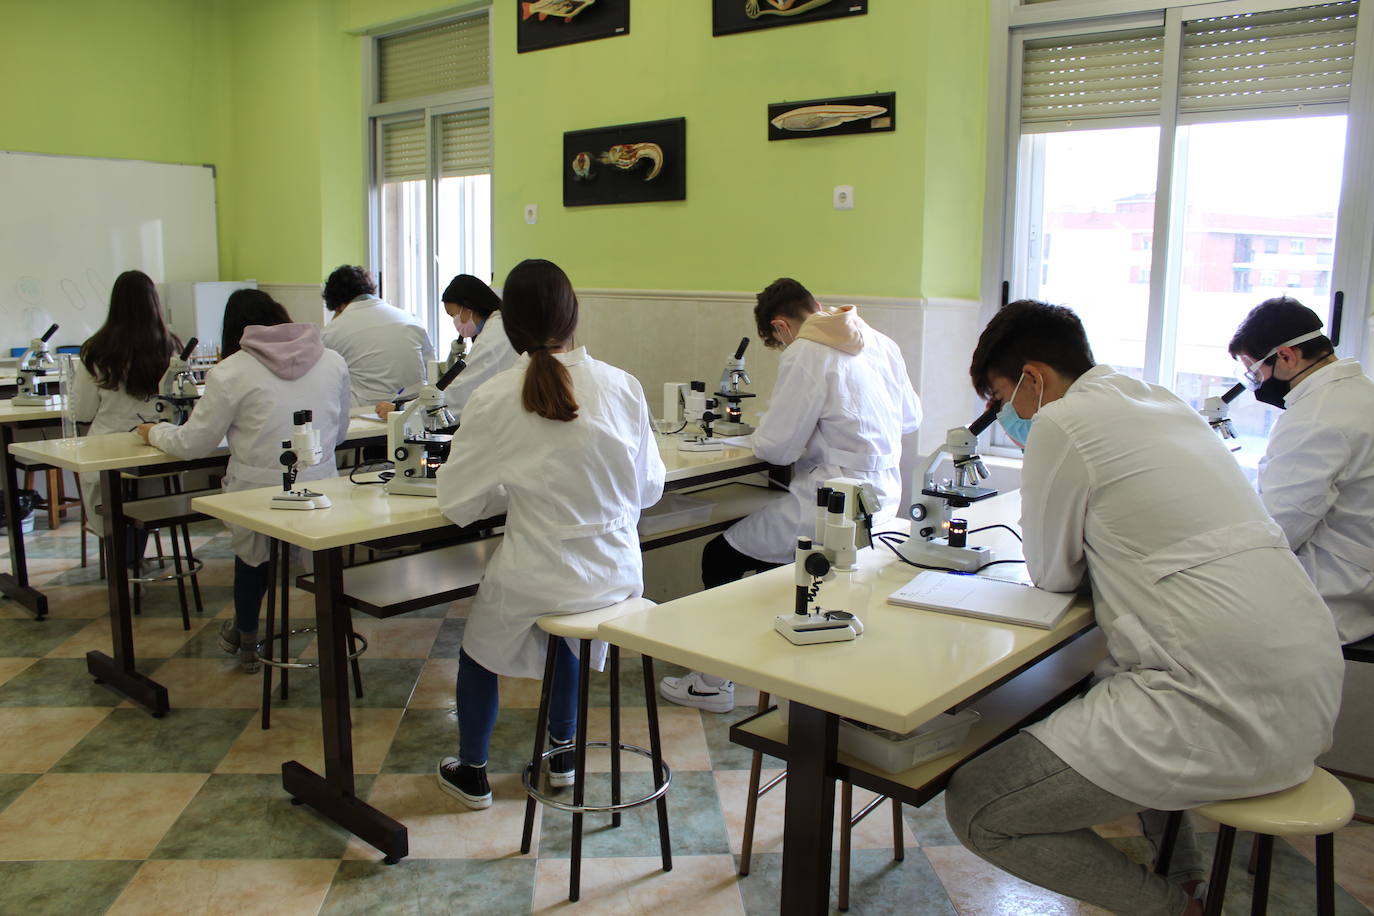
(1217, 412)
(699, 409)
(177, 392)
(734, 375)
(845, 507)
(302, 450)
(808, 626)
(937, 538)
(457, 353)
(418, 437)
(38, 377)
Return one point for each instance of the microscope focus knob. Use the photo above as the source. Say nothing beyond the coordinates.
(918, 512)
(401, 453)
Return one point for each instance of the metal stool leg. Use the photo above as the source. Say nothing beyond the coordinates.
(1166, 843)
(613, 661)
(286, 621)
(1326, 875)
(1221, 868)
(541, 726)
(846, 840)
(656, 750)
(181, 583)
(584, 674)
(267, 637)
(1263, 856)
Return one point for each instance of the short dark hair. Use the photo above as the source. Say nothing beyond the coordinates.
(1272, 322)
(1028, 330)
(345, 284)
(248, 307)
(783, 298)
(470, 292)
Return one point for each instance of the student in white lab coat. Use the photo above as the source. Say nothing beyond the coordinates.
(564, 445)
(121, 365)
(1317, 475)
(1224, 673)
(476, 312)
(840, 407)
(269, 369)
(385, 348)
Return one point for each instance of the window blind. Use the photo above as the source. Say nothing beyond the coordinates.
(1086, 77)
(465, 143)
(1269, 60)
(440, 58)
(403, 151)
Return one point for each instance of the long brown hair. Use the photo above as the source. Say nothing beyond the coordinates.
(540, 310)
(132, 348)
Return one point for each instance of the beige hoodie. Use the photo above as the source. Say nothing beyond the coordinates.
(841, 329)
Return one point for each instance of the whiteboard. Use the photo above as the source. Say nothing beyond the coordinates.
(69, 225)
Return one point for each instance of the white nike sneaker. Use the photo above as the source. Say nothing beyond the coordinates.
(692, 690)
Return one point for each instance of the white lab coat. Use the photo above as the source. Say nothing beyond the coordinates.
(1317, 481)
(572, 493)
(1224, 676)
(248, 404)
(385, 348)
(108, 410)
(834, 415)
(491, 353)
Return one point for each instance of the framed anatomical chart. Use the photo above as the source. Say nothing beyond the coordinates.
(851, 114)
(549, 23)
(730, 16)
(625, 164)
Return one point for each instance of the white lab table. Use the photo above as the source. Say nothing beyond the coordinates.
(368, 513)
(108, 455)
(908, 666)
(15, 584)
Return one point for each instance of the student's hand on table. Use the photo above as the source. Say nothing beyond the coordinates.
(384, 408)
(143, 429)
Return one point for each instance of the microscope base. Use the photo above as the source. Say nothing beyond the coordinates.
(937, 552)
(701, 445)
(301, 499)
(726, 428)
(412, 486)
(812, 630)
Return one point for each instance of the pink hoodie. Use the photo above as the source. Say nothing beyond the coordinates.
(288, 350)
(841, 329)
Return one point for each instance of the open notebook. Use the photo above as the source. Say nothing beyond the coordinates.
(987, 599)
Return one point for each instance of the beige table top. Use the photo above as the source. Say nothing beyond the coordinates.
(9, 413)
(365, 513)
(117, 451)
(908, 665)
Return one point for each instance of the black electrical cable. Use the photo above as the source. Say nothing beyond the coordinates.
(892, 547)
(383, 478)
(1016, 534)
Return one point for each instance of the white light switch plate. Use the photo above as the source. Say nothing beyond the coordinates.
(844, 197)
(531, 213)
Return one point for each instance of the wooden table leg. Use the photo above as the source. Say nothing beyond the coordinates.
(332, 795)
(119, 671)
(15, 584)
(809, 820)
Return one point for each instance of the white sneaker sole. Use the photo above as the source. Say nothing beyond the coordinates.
(475, 802)
(716, 703)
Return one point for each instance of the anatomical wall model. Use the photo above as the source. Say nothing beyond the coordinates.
(628, 163)
(854, 114)
(746, 15)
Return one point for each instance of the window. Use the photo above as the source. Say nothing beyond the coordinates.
(430, 203)
(1184, 156)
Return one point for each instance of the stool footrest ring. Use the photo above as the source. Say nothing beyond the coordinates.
(545, 799)
(190, 568)
(274, 663)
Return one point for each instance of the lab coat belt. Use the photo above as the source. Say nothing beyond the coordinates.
(1212, 545)
(590, 529)
(1344, 547)
(861, 461)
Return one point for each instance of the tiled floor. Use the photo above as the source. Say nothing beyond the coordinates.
(105, 809)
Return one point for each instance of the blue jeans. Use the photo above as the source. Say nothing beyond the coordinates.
(250, 584)
(479, 698)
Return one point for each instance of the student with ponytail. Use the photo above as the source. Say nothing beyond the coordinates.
(563, 444)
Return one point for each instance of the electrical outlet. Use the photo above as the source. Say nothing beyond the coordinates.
(844, 197)
(531, 213)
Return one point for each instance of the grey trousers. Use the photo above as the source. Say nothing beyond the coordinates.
(1022, 808)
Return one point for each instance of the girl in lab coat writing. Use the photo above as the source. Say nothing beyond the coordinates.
(269, 369)
(563, 444)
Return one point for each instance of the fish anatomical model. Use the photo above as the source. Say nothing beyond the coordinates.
(582, 167)
(780, 7)
(626, 156)
(821, 117)
(567, 9)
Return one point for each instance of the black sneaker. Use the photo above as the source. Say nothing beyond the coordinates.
(562, 765)
(229, 637)
(467, 784)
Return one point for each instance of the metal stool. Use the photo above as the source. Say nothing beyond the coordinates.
(279, 558)
(172, 510)
(1318, 807)
(847, 822)
(582, 627)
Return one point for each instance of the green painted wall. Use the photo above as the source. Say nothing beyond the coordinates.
(755, 209)
(270, 91)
